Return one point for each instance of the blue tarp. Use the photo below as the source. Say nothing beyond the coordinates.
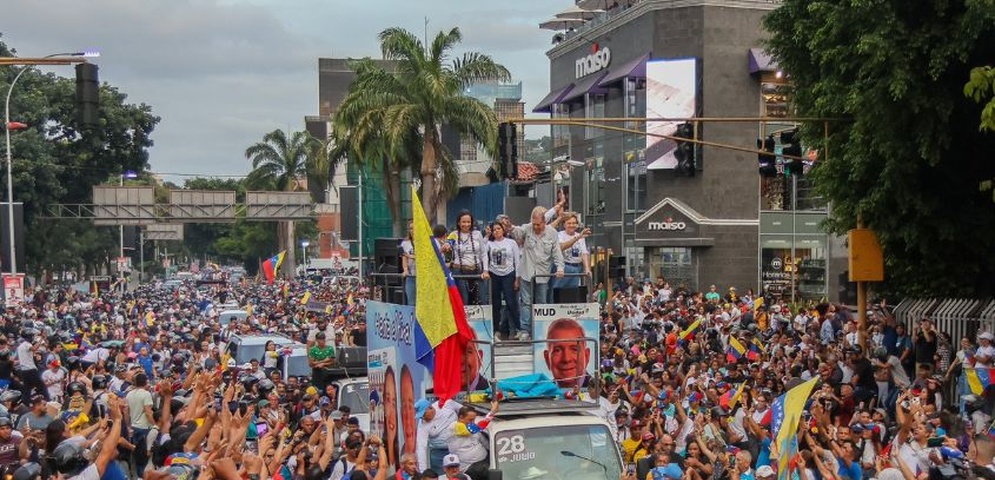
(535, 385)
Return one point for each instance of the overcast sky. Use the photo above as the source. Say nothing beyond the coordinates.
(223, 73)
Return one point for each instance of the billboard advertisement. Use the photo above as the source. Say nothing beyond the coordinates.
(569, 364)
(397, 380)
(671, 92)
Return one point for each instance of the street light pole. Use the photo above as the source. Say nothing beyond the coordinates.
(7, 127)
(304, 244)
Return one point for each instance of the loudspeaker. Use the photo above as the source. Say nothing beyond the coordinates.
(570, 295)
(352, 357)
(387, 251)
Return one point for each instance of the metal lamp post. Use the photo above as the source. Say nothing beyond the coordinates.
(8, 126)
(304, 244)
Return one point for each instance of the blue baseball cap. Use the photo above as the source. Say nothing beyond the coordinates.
(421, 406)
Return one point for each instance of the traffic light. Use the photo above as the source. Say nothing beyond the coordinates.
(87, 95)
(508, 150)
(767, 161)
(685, 151)
(791, 144)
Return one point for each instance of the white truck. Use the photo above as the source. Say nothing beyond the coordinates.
(530, 437)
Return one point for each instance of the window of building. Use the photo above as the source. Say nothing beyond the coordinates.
(561, 133)
(634, 146)
(794, 272)
(674, 264)
(595, 109)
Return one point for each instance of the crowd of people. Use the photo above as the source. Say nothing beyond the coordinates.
(116, 385)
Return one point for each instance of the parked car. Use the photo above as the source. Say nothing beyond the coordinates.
(244, 348)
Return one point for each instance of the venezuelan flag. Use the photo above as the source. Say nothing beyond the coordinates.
(979, 378)
(272, 265)
(729, 399)
(735, 351)
(691, 328)
(441, 329)
(756, 348)
(785, 413)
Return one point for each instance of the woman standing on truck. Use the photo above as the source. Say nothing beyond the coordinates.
(468, 258)
(501, 262)
(408, 265)
(272, 361)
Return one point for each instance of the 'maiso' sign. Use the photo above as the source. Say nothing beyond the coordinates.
(595, 62)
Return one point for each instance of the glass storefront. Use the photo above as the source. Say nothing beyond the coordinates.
(675, 264)
(794, 271)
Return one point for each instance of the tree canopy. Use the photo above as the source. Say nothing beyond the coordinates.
(401, 111)
(906, 154)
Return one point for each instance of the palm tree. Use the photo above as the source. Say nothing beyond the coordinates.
(402, 111)
(278, 163)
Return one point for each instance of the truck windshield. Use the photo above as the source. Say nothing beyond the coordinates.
(563, 452)
(356, 396)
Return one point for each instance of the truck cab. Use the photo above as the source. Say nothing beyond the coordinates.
(552, 438)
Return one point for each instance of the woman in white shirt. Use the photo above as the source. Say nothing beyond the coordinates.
(501, 264)
(575, 253)
(468, 258)
(408, 265)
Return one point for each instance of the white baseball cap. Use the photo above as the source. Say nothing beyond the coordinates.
(986, 336)
(450, 460)
(764, 471)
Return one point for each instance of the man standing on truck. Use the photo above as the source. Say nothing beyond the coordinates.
(469, 444)
(321, 357)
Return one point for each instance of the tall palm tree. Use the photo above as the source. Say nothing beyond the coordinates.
(407, 106)
(278, 162)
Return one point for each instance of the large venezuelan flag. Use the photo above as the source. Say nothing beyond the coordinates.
(272, 265)
(441, 330)
(785, 413)
(979, 378)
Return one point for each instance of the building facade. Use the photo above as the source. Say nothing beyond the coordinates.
(659, 62)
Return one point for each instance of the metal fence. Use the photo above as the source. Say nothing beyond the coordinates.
(958, 317)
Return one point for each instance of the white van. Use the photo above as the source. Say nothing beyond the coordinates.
(227, 316)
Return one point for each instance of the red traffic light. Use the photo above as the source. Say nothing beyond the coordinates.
(16, 126)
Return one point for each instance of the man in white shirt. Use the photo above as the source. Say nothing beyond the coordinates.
(985, 356)
(434, 429)
(139, 401)
(26, 367)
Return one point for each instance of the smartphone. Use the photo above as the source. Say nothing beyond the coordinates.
(261, 429)
(252, 446)
(630, 469)
(934, 442)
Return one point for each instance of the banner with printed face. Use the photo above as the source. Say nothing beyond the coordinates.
(569, 363)
(397, 380)
(13, 289)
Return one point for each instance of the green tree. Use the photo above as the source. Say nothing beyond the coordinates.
(279, 163)
(58, 161)
(408, 106)
(906, 155)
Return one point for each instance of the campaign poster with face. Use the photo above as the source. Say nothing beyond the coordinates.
(398, 380)
(564, 356)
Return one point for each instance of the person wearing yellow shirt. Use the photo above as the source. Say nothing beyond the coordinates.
(629, 445)
(645, 447)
